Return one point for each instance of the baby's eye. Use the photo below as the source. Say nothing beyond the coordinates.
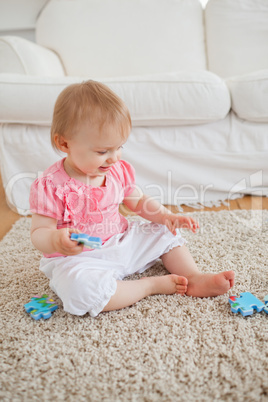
(102, 152)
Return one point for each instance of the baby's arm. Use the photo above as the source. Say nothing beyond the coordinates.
(153, 211)
(47, 238)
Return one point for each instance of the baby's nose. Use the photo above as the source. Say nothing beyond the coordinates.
(113, 157)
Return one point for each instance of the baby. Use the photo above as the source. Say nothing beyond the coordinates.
(82, 193)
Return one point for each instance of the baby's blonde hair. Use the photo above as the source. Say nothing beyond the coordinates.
(89, 101)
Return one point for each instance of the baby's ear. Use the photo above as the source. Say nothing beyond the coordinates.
(61, 143)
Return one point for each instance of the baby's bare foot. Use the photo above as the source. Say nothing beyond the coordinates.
(169, 284)
(206, 285)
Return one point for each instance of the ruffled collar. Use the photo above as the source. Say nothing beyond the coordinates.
(81, 200)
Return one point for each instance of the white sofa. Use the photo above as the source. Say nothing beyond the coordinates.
(195, 81)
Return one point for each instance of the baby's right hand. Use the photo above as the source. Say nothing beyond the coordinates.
(63, 244)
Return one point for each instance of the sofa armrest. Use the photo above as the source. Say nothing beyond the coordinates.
(20, 56)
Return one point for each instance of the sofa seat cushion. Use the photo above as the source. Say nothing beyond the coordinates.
(168, 99)
(249, 94)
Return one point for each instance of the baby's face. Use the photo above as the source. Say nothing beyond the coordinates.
(93, 152)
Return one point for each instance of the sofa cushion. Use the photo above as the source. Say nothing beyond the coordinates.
(237, 36)
(249, 94)
(156, 100)
(110, 38)
(20, 56)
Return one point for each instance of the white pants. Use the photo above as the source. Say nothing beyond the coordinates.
(86, 282)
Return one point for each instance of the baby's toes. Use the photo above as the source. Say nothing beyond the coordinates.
(181, 292)
(181, 289)
(181, 281)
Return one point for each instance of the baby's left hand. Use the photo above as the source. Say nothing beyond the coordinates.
(173, 221)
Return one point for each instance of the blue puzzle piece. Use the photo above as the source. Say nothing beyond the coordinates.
(266, 304)
(40, 307)
(88, 241)
(245, 304)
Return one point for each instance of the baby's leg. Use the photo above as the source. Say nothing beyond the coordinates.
(180, 262)
(130, 292)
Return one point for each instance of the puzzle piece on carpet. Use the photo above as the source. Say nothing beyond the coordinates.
(40, 307)
(266, 304)
(245, 304)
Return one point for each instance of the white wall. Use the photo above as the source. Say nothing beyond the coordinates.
(17, 17)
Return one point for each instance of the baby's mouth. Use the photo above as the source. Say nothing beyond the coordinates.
(104, 168)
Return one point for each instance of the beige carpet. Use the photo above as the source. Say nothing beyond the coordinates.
(164, 348)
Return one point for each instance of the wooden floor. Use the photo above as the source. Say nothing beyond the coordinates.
(9, 217)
